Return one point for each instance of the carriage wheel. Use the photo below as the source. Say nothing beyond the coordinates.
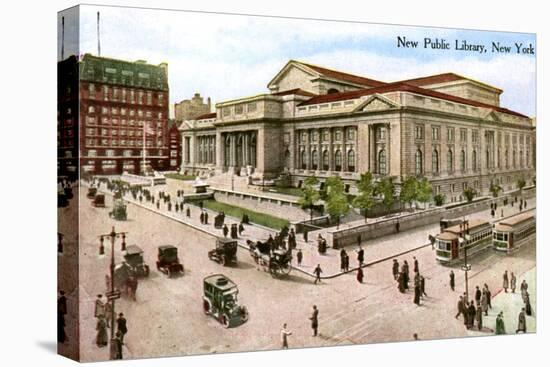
(244, 314)
(225, 321)
(275, 270)
(222, 260)
(286, 268)
(206, 306)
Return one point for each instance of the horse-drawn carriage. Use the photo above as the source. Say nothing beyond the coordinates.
(119, 210)
(125, 280)
(276, 261)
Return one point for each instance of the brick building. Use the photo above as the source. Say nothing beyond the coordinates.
(122, 105)
(321, 122)
(174, 145)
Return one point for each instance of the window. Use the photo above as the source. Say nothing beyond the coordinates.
(286, 138)
(463, 160)
(382, 162)
(351, 134)
(252, 107)
(314, 159)
(239, 110)
(474, 136)
(435, 162)
(351, 160)
(419, 132)
(338, 160)
(303, 159)
(337, 135)
(325, 135)
(304, 137)
(226, 111)
(325, 160)
(149, 98)
(450, 134)
(314, 136)
(381, 133)
(435, 133)
(474, 161)
(91, 88)
(418, 161)
(91, 109)
(463, 134)
(450, 162)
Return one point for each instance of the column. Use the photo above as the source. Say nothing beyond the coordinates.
(330, 149)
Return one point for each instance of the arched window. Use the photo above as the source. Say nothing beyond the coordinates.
(314, 159)
(514, 158)
(418, 161)
(521, 158)
(338, 160)
(487, 159)
(351, 161)
(506, 160)
(325, 160)
(287, 158)
(333, 90)
(303, 159)
(474, 161)
(252, 146)
(450, 161)
(462, 160)
(435, 162)
(227, 152)
(498, 158)
(382, 162)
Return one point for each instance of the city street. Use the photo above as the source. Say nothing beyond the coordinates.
(167, 318)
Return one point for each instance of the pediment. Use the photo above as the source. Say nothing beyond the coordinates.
(376, 102)
(492, 116)
(294, 70)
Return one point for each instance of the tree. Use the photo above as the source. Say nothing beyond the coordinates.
(365, 199)
(386, 189)
(521, 183)
(469, 194)
(439, 199)
(424, 191)
(310, 195)
(495, 189)
(409, 190)
(337, 201)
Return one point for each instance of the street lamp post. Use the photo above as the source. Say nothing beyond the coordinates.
(465, 236)
(112, 295)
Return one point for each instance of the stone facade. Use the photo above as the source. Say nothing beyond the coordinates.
(455, 134)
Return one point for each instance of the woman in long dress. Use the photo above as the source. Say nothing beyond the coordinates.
(101, 339)
(499, 329)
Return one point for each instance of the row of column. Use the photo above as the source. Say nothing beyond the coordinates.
(240, 149)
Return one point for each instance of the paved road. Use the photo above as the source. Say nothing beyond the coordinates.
(167, 318)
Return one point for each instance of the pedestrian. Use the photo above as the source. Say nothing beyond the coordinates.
(415, 265)
(479, 318)
(187, 212)
(513, 282)
(397, 227)
(241, 229)
(158, 205)
(314, 320)
(299, 257)
(99, 307)
(471, 315)
(492, 213)
(101, 327)
(121, 326)
(405, 270)
(305, 235)
(523, 288)
(459, 307)
(202, 217)
(317, 273)
(452, 280)
(522, 324)
(205, 217)
(423, 286)
(505, 283)
(342, 260)
(346, 262)
(225, 230)
(360, 275)
(401, 282)
(488, 292)
(118, 345)
(527, 301)
(478, 296)
(499, 327)
(108, 313)
(360, 255)
(502, 216)
(169, 206)
(484, 302)
(395, 269)
(132, 286)
(416, 298)
(284, 336)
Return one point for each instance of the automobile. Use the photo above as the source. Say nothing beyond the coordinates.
(134, 258)
(99, 201)
(92, 191)
(220, 301)
(119, 210)
(225, 252)
(168, 261)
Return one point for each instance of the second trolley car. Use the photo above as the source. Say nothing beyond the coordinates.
(475, 234)
(510, 233)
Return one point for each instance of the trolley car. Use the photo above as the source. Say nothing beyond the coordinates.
(509, 234)
(449, 245)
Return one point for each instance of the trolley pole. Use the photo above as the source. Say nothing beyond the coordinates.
(113, 294)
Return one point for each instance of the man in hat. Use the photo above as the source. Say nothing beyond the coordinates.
(299, 256)
(117, 343)
(452, 280)
(317, 273)
(460, 307)
(121, 326)
(522, 324)
(500, 329)
(225, 230)
(314, 320)
(505, 283)
(395, 269)
(284, 336)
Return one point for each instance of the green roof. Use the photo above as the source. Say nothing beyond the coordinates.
(136, 74)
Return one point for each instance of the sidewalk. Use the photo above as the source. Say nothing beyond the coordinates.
(376, 250)
(511, 304)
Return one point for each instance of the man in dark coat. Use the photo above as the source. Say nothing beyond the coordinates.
(401, 282)
(317, 273)
(478, 296)
(405, 270)
(522, 324)
(415, 265)
(360, 275)
(395, 269)
(299, 257)
(452, 280)
(471, 314)
(460, 307)
(205, 217)
(121, 326)
(342, 260)
(241, 229)
(505, 283)
(479, 317)
(117, 345)
(225, 230)
(423, 286)
(360, 255)
(202, 217)
(417, 291)
(187, 212)
(314, 320)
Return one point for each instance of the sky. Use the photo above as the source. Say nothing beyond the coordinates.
(225, 56)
